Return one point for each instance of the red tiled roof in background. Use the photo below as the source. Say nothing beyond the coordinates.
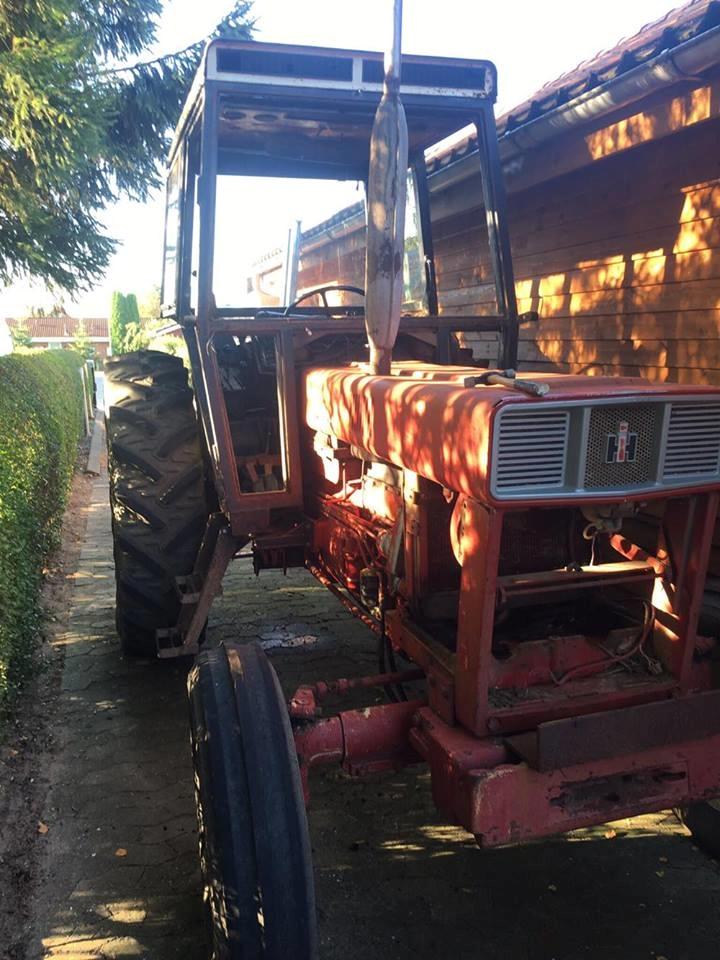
(41, 328)
(96, 326)
(677, 26)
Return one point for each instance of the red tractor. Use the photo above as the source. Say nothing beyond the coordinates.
(529, 553)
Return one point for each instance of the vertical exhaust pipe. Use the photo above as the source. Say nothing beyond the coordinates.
(386, 195)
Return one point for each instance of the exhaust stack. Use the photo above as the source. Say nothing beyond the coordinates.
(386, 195)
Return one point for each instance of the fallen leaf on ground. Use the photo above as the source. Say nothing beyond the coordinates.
(121, 852)
(42, 827)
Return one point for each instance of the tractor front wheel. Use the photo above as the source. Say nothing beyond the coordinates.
(703, 821)
(253, 833)
(158, 491)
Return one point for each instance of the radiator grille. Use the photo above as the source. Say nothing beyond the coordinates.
(531, 450)
(643, 423)
(605, 449)
(693, 441)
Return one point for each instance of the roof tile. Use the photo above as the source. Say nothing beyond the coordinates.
(678, 25)
(60, 326)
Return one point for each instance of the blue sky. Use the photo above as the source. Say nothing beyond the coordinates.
(530, 42)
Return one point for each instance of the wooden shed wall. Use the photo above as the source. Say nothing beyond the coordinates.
(343, 261)
(620, 258)
(615, 233)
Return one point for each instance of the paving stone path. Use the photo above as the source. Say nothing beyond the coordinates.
(120, 878)
(121, 873)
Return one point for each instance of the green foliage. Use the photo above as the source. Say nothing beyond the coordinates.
(150, 304)
(20, 336)
(117, 325)
(134, 328)
(136, 337)
(131, 309)
(82, 343)
(167, 343)
(126, 329)
(80, 129)
(40, 423)
(155, 326)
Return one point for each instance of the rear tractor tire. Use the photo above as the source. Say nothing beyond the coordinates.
(252, 827)
(158, 491)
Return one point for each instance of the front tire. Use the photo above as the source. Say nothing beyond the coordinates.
(703, 821)
(158, 491)
(253, 833)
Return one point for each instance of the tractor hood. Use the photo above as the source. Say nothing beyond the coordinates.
(501, 446)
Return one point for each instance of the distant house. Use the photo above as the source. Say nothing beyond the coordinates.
(58, 332)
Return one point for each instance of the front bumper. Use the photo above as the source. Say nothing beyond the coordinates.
(585, 771)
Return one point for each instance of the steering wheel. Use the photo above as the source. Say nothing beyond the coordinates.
(322, 292)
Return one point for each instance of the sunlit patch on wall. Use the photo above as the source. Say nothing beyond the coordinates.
(683, 111)
(695, 235)
(648, 266)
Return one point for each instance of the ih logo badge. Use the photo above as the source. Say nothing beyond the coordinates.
(621, 446)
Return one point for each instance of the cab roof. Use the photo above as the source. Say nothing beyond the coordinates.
(308, 111)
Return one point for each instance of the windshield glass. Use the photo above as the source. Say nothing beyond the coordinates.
(255, 224)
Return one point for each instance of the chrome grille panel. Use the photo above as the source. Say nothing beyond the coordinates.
(531, 450)
(550, 449)
(644, 422)
(693, 441)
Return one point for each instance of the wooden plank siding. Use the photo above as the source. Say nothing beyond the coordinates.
(344, 263)
(620, 258)
(616, 243)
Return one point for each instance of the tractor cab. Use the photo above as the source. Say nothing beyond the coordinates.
(277, 111)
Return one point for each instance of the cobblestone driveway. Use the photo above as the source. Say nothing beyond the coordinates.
(120, 876)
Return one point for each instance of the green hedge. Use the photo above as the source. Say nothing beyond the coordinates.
(41, 421)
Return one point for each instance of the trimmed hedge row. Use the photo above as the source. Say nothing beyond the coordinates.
(41, 421)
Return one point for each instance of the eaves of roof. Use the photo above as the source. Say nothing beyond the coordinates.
(685, 25)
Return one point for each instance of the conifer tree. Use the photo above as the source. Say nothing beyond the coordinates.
(117, 323)
(85, 116)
